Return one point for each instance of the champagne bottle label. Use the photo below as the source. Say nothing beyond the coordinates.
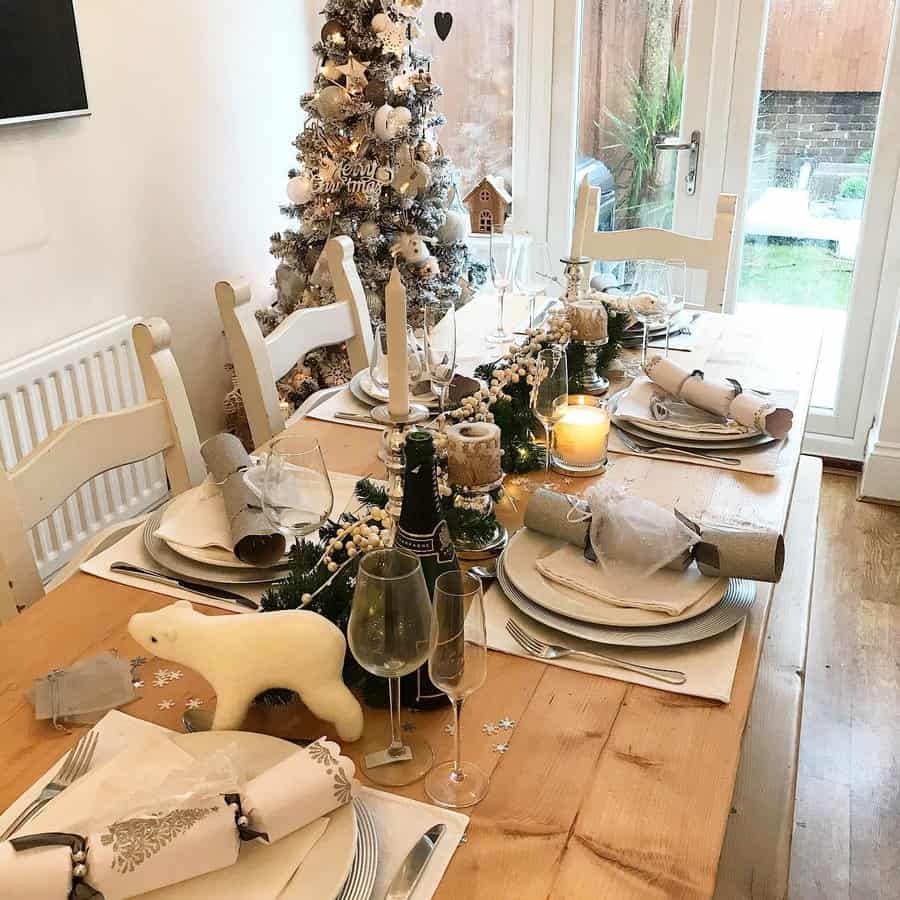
(436, 544)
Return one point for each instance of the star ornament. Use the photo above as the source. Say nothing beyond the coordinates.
(355, 73)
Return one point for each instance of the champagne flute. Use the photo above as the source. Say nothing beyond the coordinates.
(458, 666)
(390, 635)
(440, 346)
(297, 496)
(534, 272)
(678, 291)
(502, 263)
(550, 394)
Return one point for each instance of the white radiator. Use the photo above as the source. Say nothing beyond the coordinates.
(93, 371)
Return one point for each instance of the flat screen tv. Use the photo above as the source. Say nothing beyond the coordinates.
(41, 76)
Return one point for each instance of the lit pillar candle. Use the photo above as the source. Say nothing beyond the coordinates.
(398, 363)
(582, 435)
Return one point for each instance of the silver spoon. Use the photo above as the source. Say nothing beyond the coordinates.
(487, 572)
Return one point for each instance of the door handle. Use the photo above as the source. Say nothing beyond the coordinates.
(690, 180)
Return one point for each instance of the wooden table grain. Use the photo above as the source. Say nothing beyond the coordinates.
(607, 789)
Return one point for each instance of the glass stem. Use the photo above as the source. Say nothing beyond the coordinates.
(445, 393)
(668, 329)
(501, 297)
(644, 345)
(456, 774)
(549, 449)
(394, 703)
(532, 298)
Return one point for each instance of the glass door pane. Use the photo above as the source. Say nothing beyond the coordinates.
(631, 89)
(821, 91)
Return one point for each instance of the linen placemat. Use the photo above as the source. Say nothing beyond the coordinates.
(343, 402)
(130, 549)
(400, 822)
(709, 664)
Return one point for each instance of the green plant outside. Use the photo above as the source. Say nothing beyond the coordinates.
(853, 188)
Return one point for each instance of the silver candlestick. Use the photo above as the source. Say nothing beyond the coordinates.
(578, 276)
(392, 450)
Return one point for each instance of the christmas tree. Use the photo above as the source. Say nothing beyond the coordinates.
(370, 168)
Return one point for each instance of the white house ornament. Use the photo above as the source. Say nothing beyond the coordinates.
(355, 73)
(243, 656)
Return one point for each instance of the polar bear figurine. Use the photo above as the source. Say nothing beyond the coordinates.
(242, 656)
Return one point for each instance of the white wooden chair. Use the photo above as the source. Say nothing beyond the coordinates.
(711, 255)
(260, 361)
(84, 448)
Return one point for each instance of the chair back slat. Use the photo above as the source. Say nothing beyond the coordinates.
(709, 254)
(73, 454)
(259, 362)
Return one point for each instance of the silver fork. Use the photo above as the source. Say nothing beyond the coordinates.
(647, 450)
(74, 766)
(538, 648)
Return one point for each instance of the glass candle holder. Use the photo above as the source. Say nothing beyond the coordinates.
(581, 437)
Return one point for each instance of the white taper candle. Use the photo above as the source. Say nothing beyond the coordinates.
(398, 361)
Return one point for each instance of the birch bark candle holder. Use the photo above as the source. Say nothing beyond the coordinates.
(590, 329)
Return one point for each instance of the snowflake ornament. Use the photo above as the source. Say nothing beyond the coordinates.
(193, 703)
(500, 748)
(489, 728)
(393, 39)
(166, 704)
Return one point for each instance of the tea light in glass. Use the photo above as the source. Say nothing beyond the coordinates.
(581, 437)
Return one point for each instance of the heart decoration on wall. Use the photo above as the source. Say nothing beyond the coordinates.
(443, 22)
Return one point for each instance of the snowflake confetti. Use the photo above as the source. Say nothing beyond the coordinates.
(166, 704)
(137, 684)
(507, 724)
(174, 676)
(489, 728)
(500, 748)
(160, 682)
(449, 728)
(194, 703)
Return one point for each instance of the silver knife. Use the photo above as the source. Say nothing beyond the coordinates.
(195, 587)
(411, 868)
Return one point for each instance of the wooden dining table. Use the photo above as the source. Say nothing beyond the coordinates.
(607, 789)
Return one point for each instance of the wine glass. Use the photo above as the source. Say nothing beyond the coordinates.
(297, 496)
(458, 666)
(678, 291)
(378, 361)
(503, 256)
(390, 635)
(534, 272)
(652, 299)
(550, 394)
(440, 346)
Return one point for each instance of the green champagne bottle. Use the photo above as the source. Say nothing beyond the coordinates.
(423, 530)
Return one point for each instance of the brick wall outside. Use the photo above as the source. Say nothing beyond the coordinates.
(819, 126)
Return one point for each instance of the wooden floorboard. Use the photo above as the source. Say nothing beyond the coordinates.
(847, 821)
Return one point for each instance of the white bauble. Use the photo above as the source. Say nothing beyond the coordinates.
(402, 116)
(385, 130)
(455, 228)
(332, 102)
(330, 70)
(380, 23)
(369, 231)
(300, 189)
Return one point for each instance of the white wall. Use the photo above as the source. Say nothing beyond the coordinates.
(171, 184)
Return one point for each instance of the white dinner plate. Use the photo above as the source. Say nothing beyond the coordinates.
(166, 557)
(380, 394)
(362, 875)
(659, 430)
(357, 391)
(527, 546)
(327, 866)
(214, 556)
(733, 608)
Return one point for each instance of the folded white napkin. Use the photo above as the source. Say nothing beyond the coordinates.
(664, 591)
(197, 519)
(637, 405)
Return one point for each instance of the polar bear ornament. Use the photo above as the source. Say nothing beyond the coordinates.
(242, 656)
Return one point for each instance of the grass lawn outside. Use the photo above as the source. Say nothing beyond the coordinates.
(794, 273)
